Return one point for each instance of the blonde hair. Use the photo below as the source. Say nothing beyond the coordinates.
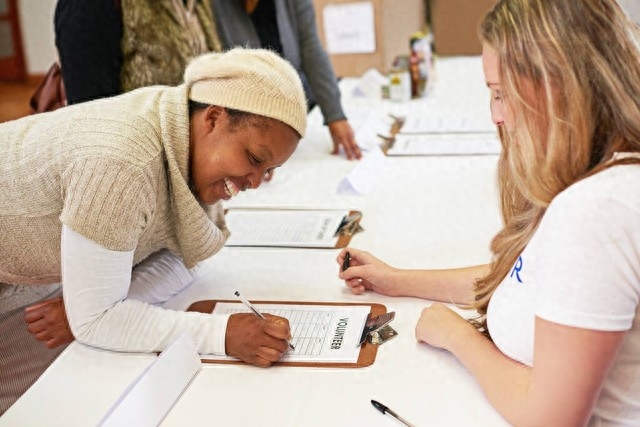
(570, 73)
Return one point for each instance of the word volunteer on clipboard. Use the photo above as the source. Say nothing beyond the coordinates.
(322, 334)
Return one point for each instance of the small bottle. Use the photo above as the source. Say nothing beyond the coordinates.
(420, 62)
(417, 82)
(400, 79)
(399, 85)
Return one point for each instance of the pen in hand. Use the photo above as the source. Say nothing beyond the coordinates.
(385, 410)
(346, 262)
(255, 311)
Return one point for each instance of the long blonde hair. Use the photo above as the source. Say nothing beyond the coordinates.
(570, 73)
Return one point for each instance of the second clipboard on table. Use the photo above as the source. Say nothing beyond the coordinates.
(287, 227)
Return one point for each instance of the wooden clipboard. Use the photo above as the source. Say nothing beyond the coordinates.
(343, 239)
(367, 353)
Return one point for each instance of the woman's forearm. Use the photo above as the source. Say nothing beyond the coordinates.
(447, 285)
(504, 381)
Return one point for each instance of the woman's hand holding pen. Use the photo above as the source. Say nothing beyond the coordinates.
(257, 341)
(364, 272)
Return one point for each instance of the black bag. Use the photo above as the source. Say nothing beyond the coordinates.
(50, 94)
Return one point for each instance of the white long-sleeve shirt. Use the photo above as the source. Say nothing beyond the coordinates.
(109, 304)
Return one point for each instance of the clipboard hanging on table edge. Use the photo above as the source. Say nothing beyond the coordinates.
(349, 226)
(367, 354)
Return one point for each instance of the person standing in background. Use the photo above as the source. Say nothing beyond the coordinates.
(87, 37)
(160, 37)
(289, 28)
(108, 47)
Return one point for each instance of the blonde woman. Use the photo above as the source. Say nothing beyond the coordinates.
(560, 299)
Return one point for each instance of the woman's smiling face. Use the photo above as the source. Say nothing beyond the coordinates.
(228, 156)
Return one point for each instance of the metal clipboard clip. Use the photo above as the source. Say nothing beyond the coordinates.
(398, 121)
(349, 225)
(389, 140)
(377, 329)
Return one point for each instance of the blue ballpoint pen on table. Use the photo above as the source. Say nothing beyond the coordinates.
(255, 311)
(385, 410)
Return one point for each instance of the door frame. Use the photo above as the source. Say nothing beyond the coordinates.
(13, 68)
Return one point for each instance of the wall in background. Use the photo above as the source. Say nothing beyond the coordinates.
(36, 21)
(632, 7)
(38, 40)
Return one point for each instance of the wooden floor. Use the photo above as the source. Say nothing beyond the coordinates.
(14, 100)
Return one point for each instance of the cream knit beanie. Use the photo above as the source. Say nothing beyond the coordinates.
(253, 80)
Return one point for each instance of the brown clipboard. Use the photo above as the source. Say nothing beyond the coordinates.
(345, 238)
(342, 242)
(367, 353)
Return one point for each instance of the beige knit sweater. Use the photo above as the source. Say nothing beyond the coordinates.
(115, 171)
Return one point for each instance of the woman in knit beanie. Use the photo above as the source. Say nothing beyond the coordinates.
(116, 201)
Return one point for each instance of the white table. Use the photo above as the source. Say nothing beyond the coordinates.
(426, 212)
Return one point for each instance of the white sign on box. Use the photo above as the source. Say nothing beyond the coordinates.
(349, 28)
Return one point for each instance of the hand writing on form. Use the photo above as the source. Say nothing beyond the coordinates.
(257, 341)
(256, 338)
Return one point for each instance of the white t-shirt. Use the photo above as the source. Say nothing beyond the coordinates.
(582, 269)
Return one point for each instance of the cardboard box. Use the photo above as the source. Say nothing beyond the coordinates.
(455, 25)
(394, 20)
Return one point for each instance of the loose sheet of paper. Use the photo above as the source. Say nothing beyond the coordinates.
(365, 175)
(320, 333)
(444, 145)
(313, 228)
